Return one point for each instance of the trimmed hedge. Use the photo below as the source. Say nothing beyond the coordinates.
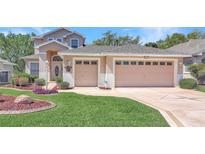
(59, 80)
(23, 81)
(64, 85)
(188, 83)
(40, 82)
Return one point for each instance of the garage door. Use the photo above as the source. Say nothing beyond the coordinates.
(86, 73)
(144, 73)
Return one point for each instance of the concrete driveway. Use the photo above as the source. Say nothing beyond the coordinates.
(180, 107)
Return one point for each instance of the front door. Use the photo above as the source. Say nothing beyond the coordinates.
(56, 70)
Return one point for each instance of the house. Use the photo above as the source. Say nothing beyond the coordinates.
(194, 47)
(62, 53)
(6, 70)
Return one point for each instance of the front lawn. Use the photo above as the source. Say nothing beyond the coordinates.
(80, 110)
(201, 88)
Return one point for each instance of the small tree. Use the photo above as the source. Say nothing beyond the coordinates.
(198, 72)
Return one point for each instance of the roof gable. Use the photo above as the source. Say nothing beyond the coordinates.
(195, 46)
(53, 31)
(55, 45)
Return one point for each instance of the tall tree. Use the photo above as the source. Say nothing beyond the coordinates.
(112, 39)
(172, 40)
(14, 46)
(196, 35)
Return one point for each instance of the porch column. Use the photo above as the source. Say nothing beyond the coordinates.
(68, 74)
(42, 65)
(110, 73)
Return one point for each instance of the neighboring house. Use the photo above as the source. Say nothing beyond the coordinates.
(61, 53)
(6, 71)
(196, 48)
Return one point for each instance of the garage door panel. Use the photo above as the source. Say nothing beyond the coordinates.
(86, 75)
(143, 75)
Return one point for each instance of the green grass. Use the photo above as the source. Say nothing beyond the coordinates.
(80, 110)
(201, 88)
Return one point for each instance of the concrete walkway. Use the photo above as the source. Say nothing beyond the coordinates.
(179, 107)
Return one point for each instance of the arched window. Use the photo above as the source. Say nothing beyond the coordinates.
(57, 58)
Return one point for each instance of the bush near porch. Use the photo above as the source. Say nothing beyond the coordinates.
(74, 110)
(198, 72)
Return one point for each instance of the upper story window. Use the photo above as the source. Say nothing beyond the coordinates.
(74, 43)
(59, 39)
(50, 39)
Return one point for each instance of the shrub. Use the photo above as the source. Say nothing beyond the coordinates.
(23, 81)
(40, 82)
(13, 81)
(197, 71)
(20, 74)
(33, 78)
(59, 80)
(188, 83)
(44, 91)
(64, 85)
(201, 77)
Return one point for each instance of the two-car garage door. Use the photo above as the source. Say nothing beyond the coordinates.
(144, 73)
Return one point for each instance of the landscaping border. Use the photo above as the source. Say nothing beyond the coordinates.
(52, 105)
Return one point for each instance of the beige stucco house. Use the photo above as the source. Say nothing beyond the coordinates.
(62, 53)
(6, 71)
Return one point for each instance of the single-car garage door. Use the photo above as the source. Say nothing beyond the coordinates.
(86, 73)
(144, 73)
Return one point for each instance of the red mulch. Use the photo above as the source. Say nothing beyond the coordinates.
(28, 87)
(8, 104)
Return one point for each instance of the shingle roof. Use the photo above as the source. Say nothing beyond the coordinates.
(121, 50)
(196, 46)
(31, 57)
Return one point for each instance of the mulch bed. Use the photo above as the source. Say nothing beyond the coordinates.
(28, 87)
(7, 104)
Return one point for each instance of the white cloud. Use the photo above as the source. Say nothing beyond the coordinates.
(40, 30)
(126, 29)
(157, 33)
(4, 32)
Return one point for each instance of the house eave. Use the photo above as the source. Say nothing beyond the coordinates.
(123, 55)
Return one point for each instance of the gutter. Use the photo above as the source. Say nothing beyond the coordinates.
(138, 55)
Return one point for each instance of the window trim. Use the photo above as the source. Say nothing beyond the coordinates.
(184, 68)
(162, 63)
(142, 63)
(71, 39)
(133, 62)
(148, 63)
(85, 62)
(93, 62)
(155, 63)
(126, 62)
(48, 39)
(116, 62)
(78, 62)
(60, 39)
(8, 74)
(30, 66)
(169, 62)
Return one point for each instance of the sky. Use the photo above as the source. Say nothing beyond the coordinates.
(147, 34)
